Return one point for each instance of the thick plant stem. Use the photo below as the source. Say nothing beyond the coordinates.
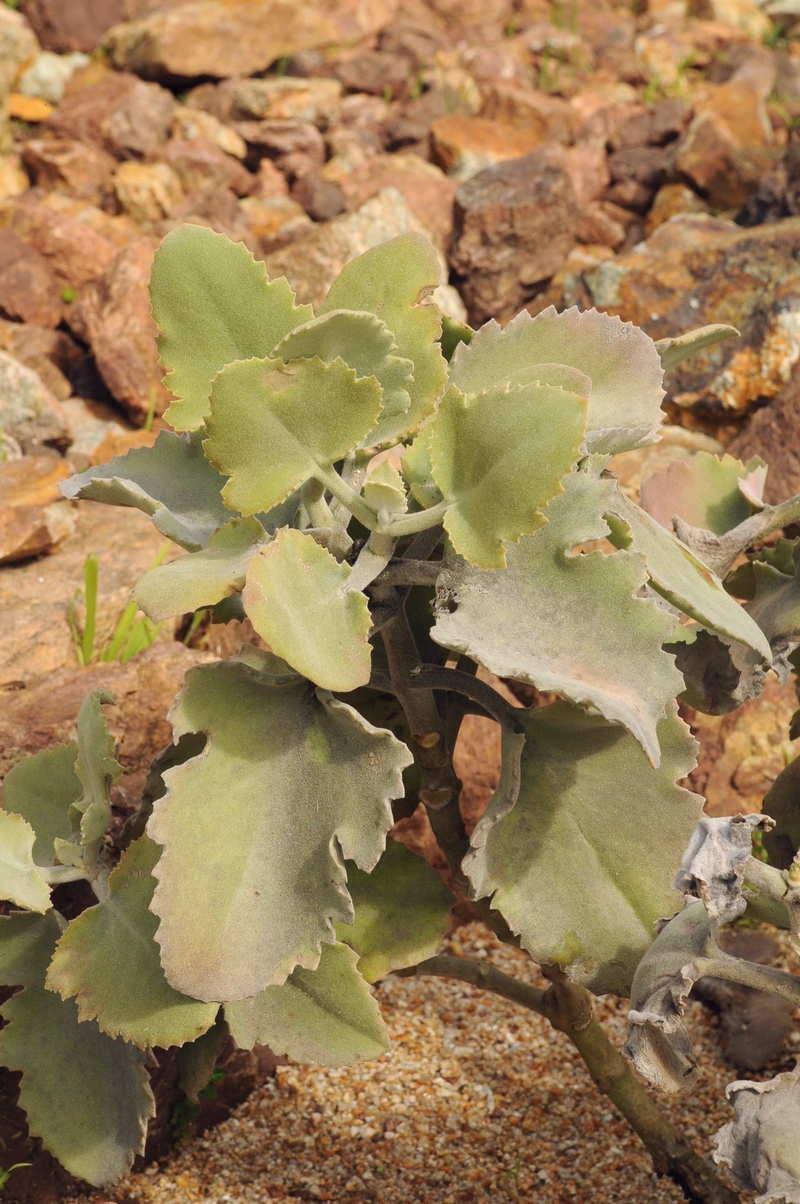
(570, 1010)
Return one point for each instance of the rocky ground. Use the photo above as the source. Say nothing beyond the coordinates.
(643, 158)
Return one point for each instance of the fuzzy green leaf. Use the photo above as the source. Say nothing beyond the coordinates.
(674, 351)
(558, 864)
(366, 345)
(619, 360)
(213, 304)
(198, 1060)
(565, 622)
(86, 1095)
(705, 492)
(327, 1015)
(776, 609)
(682, 579)
(256, 828)
(384, 490)
(273, 425)
(41, 789)
(204, 578)
(20, 880)
(402, 912)
(498, 459)
(172, 482)
(108, 958)
(418, 470)
(97, 768)
(298, 600)
(392, 281)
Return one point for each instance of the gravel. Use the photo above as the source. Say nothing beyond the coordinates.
(478, 1099)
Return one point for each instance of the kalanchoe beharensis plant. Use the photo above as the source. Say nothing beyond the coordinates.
(257, 893)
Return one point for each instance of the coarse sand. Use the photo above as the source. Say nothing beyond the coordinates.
(478, 1099)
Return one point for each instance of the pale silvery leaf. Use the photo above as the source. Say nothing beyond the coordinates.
(674, 351)
(97, 768)
(327, 1015)
(776, 610)
(568, 623)
(658, 1044)
(556, 862)
(256, 828)
(714, 862)
(720, 674)
(21, 882)
(761, 1146)
(619, 360)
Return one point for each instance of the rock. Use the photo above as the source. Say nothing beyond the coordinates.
(199, 163)
(79, 25)
(512, 103)
(219, 40)
(740, 105)
(600, 111)
(13, 180)
(147, 192)
(18, 49)
(76, 168)
(631, 194)
(772, 433)
(463, 146)
(274, 222)
(114, 317)
(317, 101)
(654, 126)
(670, 201)
(89, 423)
(313, 262)
(32, 481)
(376, 72)
(428, 191)
(514, 226)
(741, 14)
(778, 193)
(216, 208)
(74, 252)
(28, 108)
(321, 199)
(30, 531)
(118, 442)
(49, 74)
(194, 123)
(588, 169)
(29, 291)
(596, 227)
(696, 270)
(296, 147)
(121, 114)
(269, 181)
(115, 228)
(644, 164)
(51, 353)
(29, 412)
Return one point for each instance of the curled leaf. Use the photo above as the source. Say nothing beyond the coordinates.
(714, 862)
(674, 351)
(761, 1146)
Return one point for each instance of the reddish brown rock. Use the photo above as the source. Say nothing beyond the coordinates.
(587, 166)
(30, 531)
(672, 200)
(321, 199)
(512, 103)
(200, 163)
(122, 115)
(194, 123)
(32, 480)
(631, 194)
(654, 126)
(282, 98)
(428, 192)
(269, 181)
(718, 164)
(597, 228)
(80, 24)
(644, 164)
(147, 192)
(29, 291)
(515, 224)
(773, 433)
(375, 72)
(296, 147)
(463, 145)
(114, 317)
(74, 252)
(51, 353)
(76, 168)
(273, 222)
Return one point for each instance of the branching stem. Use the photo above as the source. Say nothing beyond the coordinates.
(434, 677)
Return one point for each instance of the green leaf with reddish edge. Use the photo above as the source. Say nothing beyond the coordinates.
(673, 352)
(109, 960)
(41, 789)
(172, 482)
(297, 598)
(498, 459)
(402, 912)
(327, 1015)
(213, 304)
(564, 622)
(97, 768)
(20, 881)
(204, 578)
(366, 345)
(619, 360)
(86, 1095)
(272, 425)
(392, 281)
(255, 830)
(705, 492)
(677, 574)
(557, 864)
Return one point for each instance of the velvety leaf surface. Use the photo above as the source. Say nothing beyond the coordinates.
(683, 580)
(41, 789)
(298, 600)
(720, 674)
(706, 492)
(273, 424)
(366, 345)
(327, 1015)
(20, 881)
(214, 305)
(109, 960)
(255, 830)
(204, 578)
(760, 1145)
(776, 610)
(86, 1095)
(172, 481)
(392, 281)
(619, 360)
(558, 864)
(782, 803)
(97, 769)
(418, 470)
(198, 1059)
(402, 912)
(498, 459)
(674, 351)
(567, 623)
(384, 490)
